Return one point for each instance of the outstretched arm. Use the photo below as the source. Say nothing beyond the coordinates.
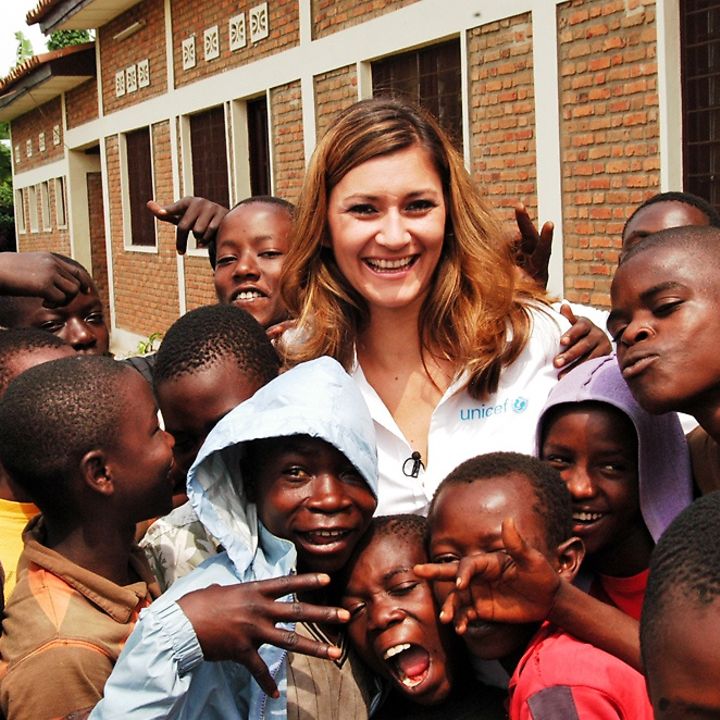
(190, 214)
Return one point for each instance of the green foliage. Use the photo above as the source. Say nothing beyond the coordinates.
(144, 347)
(24, 48)
(7, 216)
(66, 38)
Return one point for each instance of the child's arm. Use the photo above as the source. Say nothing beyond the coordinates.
(520, 586)
(583, 341)
(40, 274)
(191, 214)
(215, 623)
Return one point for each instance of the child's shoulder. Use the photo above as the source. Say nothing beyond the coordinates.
(559, 668)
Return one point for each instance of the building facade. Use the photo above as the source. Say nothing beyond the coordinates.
(575, 107)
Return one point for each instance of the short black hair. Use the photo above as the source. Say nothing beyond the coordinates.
(554, 502)
(212, 333)
(693, 239)
(54, 413)
(684, 566)
(266, 200)
(20, 341)
(682, 197)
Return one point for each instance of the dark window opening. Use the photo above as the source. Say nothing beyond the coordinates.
(209, 155)
(140, 187)
(258, 146)
(430, 77)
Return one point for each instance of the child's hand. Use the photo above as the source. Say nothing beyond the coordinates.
(516, 586)
(41, 274)
(191, 214)
(232, 621)
(532, 248)
(583, 341)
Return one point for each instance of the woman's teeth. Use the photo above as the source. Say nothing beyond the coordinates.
(384, 264)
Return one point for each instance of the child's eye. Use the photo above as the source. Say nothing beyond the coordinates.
(666, 308)
(445, 558)
(225, 260)
(557, 461)
(295, 471)
(52, 326)
(404, 588)
(352, 476)
(356, 610)
(270, 254)
(616, 333)
(96, 318)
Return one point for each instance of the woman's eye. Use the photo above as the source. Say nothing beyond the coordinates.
(362, 209)
(420, 205)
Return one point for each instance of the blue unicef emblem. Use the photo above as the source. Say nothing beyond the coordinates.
(520, 405)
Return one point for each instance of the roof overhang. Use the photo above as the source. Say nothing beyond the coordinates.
(55, 15)
(45, 81)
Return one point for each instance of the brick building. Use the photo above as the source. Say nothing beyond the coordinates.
(581, 108)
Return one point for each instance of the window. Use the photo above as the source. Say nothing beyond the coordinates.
(208, 150)
(45, 205)
(258, 146)
(700, 53)
(139, 188)
(430, 77)
(60, 202)
(20, 211)
(33, 207)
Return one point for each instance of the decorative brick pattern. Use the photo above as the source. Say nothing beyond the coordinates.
(81, 104)
(334, 91)
(609, 133)
(26, 131)
(283, 26)
(329, 16)
(145, 284)
(287, 140)
(502, 111)
(148, 43)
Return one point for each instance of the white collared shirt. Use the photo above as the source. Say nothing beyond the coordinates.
(462, 427)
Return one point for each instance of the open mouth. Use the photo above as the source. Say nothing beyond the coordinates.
(586, 518)
(247, 295)
(384, 265)
(409, 664)
(325, 537)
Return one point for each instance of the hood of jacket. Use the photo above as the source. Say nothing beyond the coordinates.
(664, 474)
(316, 398)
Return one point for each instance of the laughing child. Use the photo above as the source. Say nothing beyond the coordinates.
(285, 482)
(81, 437)
(395, 629)
(628, 473)
(211, 359)
(553, 675)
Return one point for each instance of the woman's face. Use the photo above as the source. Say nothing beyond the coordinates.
(387, 225)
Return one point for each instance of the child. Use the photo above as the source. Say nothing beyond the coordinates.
(681, 617)
(78, 320)
(665, 298)
(19, 350)
(80, 435)
(394, 627)
(553, 674)
(628, 473)
(286, 480)
(212, 359)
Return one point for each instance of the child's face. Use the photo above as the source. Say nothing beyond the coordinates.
(191, 405)
(666, 324)
(141, 458)
(684, 665)
(252, 242)
(452, 536)
(394, 624)
(662, 216)
(308, 492)
(595, 450)
(80, 323)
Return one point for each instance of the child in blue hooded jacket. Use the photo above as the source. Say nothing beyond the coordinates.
(286, 482)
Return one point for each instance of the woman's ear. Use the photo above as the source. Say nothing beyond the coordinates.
(570, 555)
(96, 473)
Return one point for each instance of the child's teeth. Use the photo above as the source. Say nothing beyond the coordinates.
(248, 295)
(409, 682)
(586, 516)
(396, 650)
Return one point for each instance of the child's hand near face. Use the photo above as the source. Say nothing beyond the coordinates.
(231, 622)
(41, 274)
(518, 585)
(190, 214)
(583, 341)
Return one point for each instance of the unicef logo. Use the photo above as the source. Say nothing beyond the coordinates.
(520, 405)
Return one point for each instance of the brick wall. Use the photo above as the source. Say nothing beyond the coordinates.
(148, 43)
(199, 289)
(334, 91)
(609, 133)
(283, 32)
(81, 103)
(55, 239)
(146, 292)
(98, 253)
(27, 128)
(329, 16)
(502, 112)
(287, 140)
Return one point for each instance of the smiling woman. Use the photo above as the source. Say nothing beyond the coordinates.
(398, 269)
